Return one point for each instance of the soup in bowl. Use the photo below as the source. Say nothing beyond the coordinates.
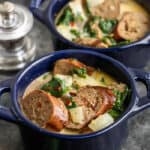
(49, 94)
(74, 98)
(103, 23)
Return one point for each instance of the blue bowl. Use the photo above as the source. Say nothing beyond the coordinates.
(108, 138)
(134, 55)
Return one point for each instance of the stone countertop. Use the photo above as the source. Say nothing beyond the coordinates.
(10, 138)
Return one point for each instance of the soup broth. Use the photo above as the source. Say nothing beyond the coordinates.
(103, 23)
(74, 98)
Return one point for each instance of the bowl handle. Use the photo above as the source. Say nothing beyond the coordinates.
(143, 102)
(6, 113)
(37, 11)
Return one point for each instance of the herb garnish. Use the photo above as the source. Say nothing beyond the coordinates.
(55, 86)
(70, 103)
(119, 106)
(81, 72)
(107, 26)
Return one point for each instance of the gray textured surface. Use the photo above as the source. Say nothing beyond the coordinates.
(10, 138)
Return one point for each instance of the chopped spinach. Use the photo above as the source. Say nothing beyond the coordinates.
(119, 105)
(122, 43)
(109, 40)
(114, 113)
(66, 17)
(75, 32)
(81, 72)
(87, 29)
(70, 103)
(79, 17)
(107, 26)
(55, 86)
(86, 7)
(121, 96)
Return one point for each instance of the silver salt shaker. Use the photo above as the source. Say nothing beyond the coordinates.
(16, 47)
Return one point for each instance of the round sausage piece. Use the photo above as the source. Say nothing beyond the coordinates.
(98, 98)
(95, 101)
(133, 26)
(44, 109)
(91, 42)
(65, 66)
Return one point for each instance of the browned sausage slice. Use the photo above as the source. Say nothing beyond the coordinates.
(95, 101)
(133, 26)
(98, 98)
(108, 9)
(43, 109)
(65, 66)
(91, 42)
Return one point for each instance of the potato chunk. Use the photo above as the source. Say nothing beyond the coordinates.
(101, 122)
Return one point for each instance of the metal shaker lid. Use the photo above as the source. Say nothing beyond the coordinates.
(15, 21)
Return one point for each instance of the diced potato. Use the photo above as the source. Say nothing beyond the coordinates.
(77, 115)
(66, 78)
(77, 9)
(101, 122)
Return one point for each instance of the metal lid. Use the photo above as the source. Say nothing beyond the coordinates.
(15, 21)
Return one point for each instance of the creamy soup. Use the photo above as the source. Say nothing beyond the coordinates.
(103, 23)
(74, 98)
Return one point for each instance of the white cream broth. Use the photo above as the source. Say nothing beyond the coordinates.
(98, 78)
(37, 83)
(77, 10)
(93, 80)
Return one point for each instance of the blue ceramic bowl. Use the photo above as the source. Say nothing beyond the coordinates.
(108, 138)
(134, 55)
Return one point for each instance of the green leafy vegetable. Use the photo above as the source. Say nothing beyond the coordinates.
(87, 10)
(81, 72)
(66, 17)
(121, 96)
(55, 86)
(73, 105)
(107, 26)
(119, 106)
(79, 17)
(70, 103)
(75, 32)
(109, 40)
(114, 113)
(122, 43)
(87, 29)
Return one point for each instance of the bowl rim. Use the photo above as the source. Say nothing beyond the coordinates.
(25, 121)
(52, 27)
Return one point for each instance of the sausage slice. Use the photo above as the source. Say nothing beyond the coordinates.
(65, 66)
(108, 9)
(91, 42)
(44, 109)
(95, 101)
(133, 26)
